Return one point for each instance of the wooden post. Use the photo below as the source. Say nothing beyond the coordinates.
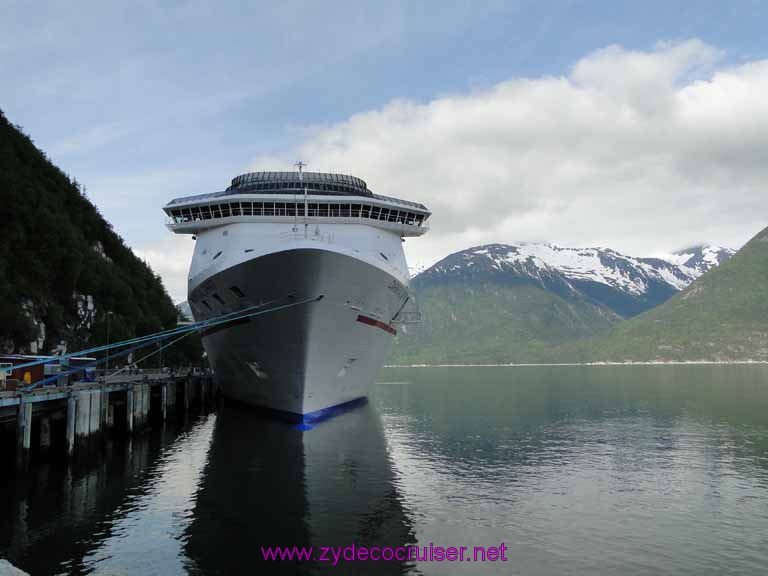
(129, 410)
(104, 409)
(71, 415)
(45, 432)
(24, 429)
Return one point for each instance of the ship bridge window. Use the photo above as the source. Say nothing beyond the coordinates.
(295, 209)
(205, 303)
(218, 298)
(237, 292)
(217, 255)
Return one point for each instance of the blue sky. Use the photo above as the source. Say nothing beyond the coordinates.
(145, 101)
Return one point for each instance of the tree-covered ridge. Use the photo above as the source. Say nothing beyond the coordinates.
(56, 251)
(722, 316)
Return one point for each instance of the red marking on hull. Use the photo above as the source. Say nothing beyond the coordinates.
(377, 323)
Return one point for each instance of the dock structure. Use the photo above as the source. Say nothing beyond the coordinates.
(74, 416)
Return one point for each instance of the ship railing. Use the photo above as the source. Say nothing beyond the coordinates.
(185, 220)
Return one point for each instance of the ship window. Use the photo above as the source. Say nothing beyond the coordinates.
(345, 210)
(384, 256)
(366, 211)
(312, 208)
(384, 214)
(205, 303)
(375, 210)
(247, 208)
(217, 255)
(237, 292)
(356, 210)
(217, 298)
(206, 212)
(258, 208)
(333, 210)
(225, 210)
(322, 210)
(269, 209)
(235, 209)
(300, 209)
(248, 250)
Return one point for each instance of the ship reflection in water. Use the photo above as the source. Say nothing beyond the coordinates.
(205, 498)
(269, 484)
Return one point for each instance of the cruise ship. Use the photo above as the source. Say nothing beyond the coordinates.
(323, 242)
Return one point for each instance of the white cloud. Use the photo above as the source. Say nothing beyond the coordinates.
(170, 259)
(90, 139)
(645, 152)
(640, 151)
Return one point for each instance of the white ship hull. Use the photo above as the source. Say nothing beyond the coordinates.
(310, 357)
(321, 241)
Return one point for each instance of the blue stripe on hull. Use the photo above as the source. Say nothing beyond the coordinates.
(309, 420)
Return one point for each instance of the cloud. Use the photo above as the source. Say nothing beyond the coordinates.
(89, 139)
(170, 259)
(642, 151)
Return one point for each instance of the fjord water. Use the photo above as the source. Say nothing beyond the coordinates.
(576, 470)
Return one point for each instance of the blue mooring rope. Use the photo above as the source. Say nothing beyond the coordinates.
(158, 336)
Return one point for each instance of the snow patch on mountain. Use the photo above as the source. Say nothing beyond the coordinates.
(628, 274)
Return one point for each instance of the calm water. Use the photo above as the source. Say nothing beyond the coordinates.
(594, 470)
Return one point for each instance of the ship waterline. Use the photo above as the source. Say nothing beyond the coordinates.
(341, 263)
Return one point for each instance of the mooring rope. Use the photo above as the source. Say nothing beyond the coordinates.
(163, 347)
(248, 312)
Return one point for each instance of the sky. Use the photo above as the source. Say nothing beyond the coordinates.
(641, 126)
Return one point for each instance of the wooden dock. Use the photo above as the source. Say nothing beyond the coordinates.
(78, 414)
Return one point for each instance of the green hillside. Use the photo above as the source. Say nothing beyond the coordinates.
(722, 316)
(61, 264)
(494, 322)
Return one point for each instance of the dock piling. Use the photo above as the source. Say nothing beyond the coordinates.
(24, 429)
(71, 415)
(88, 410)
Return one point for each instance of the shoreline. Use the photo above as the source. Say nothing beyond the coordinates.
(541, 364)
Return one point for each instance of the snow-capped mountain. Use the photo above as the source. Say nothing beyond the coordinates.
(627, 285)
(699, 259)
